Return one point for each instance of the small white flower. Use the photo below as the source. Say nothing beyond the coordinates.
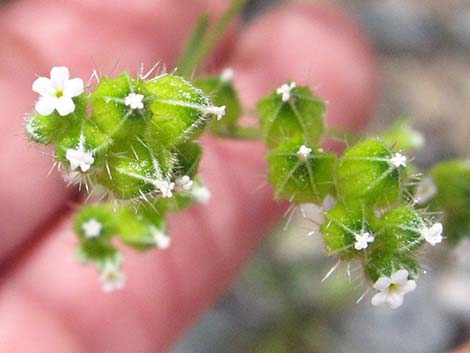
(392, 290)
(285, 91)
(226, 75)
(432, 235)
(183, 183)
(165, 187)
(425, 191)
(56, 93)
(201, 194)
(79, 158)
(363, 240)
(304, 152)
(112, 277)
(134, 101)
(417, 139)
(398, 160)
(92, 228)
(161, 239)
(217, 111)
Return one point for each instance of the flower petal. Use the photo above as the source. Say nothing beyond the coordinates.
(394, 300)
(59, 74)
(73, 87)
(46, 105)
(409, 286)
(400, 277)
(378, 299)
(382, 283)
(43, 86)
(65, 105)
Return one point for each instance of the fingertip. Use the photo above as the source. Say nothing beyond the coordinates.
(314, 44)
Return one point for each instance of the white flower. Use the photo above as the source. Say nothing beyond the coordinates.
(57, 92)
(183, 183)
(304, 152)
(398, 160)
(392, 290)
(217, 111)
(161, 239)
(112, 277)
(165, 187)
(432, 235)
(226, 75)
(201, 194)
(92, 228)
(79, 158)
(134, 101)
(425, 191)
(363, 240)
(285, 91)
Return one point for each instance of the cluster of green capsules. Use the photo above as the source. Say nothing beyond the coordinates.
(132, 144)
(383, 209)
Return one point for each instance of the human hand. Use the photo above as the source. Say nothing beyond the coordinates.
(45, 295)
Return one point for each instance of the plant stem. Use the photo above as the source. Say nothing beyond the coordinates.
(192, 58)
(192, 45)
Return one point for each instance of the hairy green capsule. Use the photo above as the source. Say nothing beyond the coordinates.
(299, 173)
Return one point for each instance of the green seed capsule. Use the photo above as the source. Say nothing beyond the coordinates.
(131, 173)
(379, 264)
(291, 112)
(179, 111)
(121, 107)
(142, 228)
(400, 230)
(95, 225)
(370, 172)
(222, 93)
(53, 127)
(83, 148)
(300, 173)
(348, 231)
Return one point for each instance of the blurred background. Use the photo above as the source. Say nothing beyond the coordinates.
(279, 303)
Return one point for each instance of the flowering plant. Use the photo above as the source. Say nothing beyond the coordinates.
(131, 142)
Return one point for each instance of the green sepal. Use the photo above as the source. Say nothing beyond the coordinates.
(380, 264)
(402, 136)
(47, 129)
(178, 111)
(130, 173)
(301, 116)
(112, 115)
(222, 93)
(298, 180)
(99, 246)
(87, 135)
(188, 155)
(399, 230)
(365, 173)
(138, 227)
(341, 225)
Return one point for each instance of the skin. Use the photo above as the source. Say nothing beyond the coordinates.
(44, 292)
